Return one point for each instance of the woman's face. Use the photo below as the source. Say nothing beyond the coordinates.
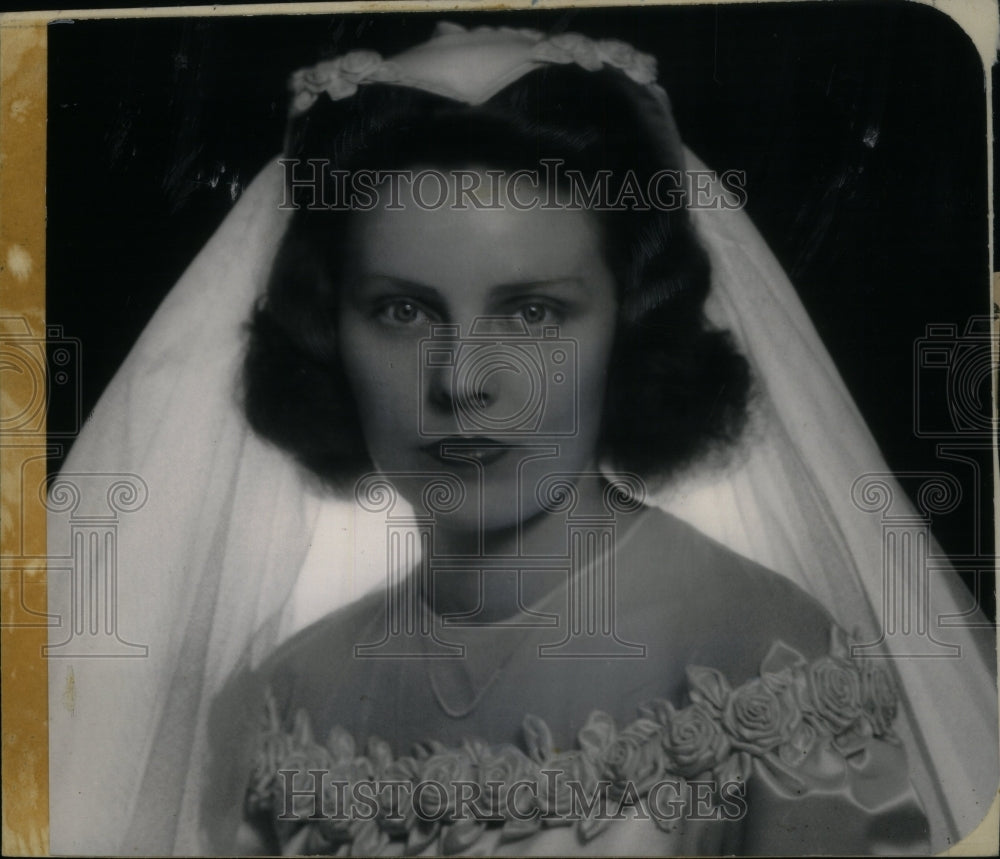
(477, 342)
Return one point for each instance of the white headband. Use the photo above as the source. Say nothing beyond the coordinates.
(470, 66)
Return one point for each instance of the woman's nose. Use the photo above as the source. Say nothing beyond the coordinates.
(450, 388)
(479, 383)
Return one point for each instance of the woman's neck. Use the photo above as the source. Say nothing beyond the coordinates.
(506, 583)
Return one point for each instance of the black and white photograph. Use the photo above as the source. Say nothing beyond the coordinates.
(539, 431)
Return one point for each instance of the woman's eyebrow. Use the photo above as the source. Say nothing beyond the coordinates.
(410, 287)
(514, 289)
(499, 292)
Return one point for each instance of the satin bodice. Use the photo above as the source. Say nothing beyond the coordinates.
(706, 669)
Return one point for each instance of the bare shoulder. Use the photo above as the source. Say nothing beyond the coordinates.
(717, 605)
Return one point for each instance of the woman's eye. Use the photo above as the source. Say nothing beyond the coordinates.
(402, 313)
(535, 312)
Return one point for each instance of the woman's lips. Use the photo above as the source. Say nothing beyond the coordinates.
(456, 449)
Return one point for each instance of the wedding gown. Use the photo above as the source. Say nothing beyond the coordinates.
(812, 742)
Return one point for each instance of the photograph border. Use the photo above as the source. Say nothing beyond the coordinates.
(23, 117)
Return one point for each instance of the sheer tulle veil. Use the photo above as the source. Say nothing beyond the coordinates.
(233, 540)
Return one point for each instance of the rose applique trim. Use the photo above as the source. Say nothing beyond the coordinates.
(780, 715)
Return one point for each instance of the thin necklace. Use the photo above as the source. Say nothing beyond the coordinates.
(445, 665)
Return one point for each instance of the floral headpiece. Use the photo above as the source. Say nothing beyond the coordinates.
(467, 65)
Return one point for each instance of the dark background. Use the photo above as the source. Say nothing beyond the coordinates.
(861, 127)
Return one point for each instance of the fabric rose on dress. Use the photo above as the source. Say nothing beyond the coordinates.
(537, 738)
(396, 812)
(757, 719)
(800, 744)
(304, 756)
(442, 771)
(789, 684)
(379, 752)
(264, 789)
(397, 816)
(343, 813)
(346, 769)
(500, 770)
(507, 779)
(303, 773)
(636, 756)
(564, 781)
(658, 710)
(708, 686)
(879, 697)
(782, 714)
(693, 740)
(833, 694)
(340, 744)
(597, 735)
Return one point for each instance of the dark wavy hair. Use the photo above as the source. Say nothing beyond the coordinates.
(677, 388)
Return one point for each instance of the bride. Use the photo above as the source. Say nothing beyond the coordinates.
(646, 587)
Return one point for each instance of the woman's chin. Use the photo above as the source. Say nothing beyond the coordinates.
(489, 507)
(473, 522)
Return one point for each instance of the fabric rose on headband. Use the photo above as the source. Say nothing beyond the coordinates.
(592, 54)
(339, 78)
